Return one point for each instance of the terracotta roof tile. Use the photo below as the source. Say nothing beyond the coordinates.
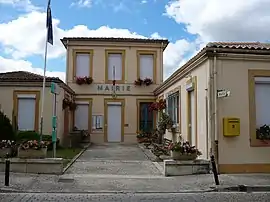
(118, 39)
(23, 76)
(240, 45)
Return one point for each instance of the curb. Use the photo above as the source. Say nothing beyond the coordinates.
(75, 158)
(148, 154)
(111, 192)
(242, 188)
(159, 167)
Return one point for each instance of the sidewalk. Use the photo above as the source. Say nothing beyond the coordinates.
(87, 183)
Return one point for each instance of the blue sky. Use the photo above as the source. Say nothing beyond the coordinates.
(188, 24)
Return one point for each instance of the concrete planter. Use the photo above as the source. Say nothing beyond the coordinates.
(36, 166)
(32, 153)
(178, 168)
(178, 156)
(5, 151)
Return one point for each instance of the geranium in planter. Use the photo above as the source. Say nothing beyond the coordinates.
(84, 80)
(143, 137)
(85, 136)
(65, 103)
(158, 106)
(6, 147)
(183, 151)
(33, 149)
(263, 133)
(147, 81)
(72, 106)
(138, 82)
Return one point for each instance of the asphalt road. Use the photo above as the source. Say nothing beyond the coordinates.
(166, 197)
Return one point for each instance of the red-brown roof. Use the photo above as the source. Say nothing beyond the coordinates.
(213, 48)
(23, 76)
(240, 45)
(165, 42)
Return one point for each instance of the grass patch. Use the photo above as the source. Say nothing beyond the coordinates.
(66, 153)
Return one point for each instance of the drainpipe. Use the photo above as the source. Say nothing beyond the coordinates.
(215, 108)
(67, 63)
(210, 108)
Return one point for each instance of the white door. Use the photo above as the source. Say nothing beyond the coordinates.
(114, 123)
(81, 116)
(193, 118)
(26, 114)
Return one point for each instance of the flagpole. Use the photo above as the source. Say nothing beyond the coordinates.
(44, 84)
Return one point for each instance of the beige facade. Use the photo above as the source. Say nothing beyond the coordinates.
(21, 99)
(98, 98)
(233, 69)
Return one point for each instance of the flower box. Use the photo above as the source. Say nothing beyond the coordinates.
(32, 153)
(5, 151)
(176, 155)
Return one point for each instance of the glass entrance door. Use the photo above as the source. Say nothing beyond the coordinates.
(146, 119)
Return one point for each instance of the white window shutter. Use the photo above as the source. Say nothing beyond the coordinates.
(100, 122)
(26, 108)
(93, 122)
(81, 116)
(82, 65)
(115, 61)
(146, 66)
(262, 100)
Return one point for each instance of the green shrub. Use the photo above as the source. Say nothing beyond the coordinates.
(6, 128)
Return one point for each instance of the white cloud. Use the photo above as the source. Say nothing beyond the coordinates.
(21, 46)
(8, 65)
(219, 20)
(23, 4)
(82, 3)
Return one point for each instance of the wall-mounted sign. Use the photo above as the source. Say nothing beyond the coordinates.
(223, 93)
(118, 88)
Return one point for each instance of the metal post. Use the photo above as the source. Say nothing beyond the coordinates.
(54, 127)
(7, 171)
(214, 169)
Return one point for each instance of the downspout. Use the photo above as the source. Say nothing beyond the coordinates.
(215, 108)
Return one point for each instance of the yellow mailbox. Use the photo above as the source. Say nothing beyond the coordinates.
(231, 126)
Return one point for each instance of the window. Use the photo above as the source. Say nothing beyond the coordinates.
(262, 100)
(146, 65)
(173, 107)
(115, 69)
(97, 122)
(81, 116)
(26, 108)
(26, 104)
(259, 98)
(83, 63)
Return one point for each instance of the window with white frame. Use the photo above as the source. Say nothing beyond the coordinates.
(115, 66)
(82, 64)
(146, 66)
(262, 100)
(97, 122)
(173, 107)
